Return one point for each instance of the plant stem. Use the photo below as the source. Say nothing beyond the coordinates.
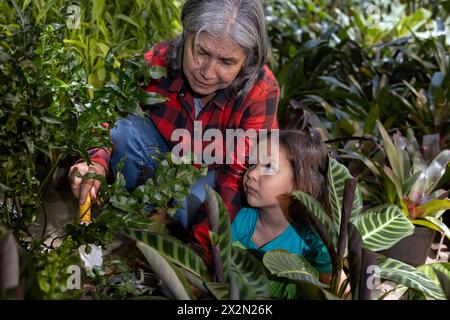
(44, 184)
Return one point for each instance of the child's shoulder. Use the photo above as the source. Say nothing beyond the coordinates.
(246, 213)
(244, 223)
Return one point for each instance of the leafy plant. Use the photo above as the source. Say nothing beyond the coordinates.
(409, 181)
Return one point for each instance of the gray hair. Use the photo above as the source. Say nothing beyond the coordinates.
(242, 20)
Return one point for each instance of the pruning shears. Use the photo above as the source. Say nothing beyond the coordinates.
(95, 257)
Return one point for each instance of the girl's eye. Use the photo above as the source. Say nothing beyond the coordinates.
(251, 165)
(270, 168)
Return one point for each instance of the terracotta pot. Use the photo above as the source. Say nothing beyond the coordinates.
(413, 249)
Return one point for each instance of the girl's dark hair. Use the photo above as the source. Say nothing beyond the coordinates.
(308, 157)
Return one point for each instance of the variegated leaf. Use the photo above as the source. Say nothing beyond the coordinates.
(411, 277)
(174, 280)
(383, 226)
(216, 207)
(252, 270)
(172, 248)
(291, 266)
(317, 210)
(337, 174)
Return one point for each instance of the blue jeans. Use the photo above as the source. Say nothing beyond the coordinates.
(135, 139)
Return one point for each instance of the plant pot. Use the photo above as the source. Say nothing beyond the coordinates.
(413, 249)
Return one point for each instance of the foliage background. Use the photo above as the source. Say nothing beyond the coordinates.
(341, 65)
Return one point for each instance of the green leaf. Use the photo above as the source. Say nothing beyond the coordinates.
(394, 155)
(434, 206)
(220, 224)
(337, 175)
(291, 266)
(240, 289)
(252, 270)
(432, 269)
(410, 277)
(383, 226)
(172, 248)
(174, 280)
(436, 170)
(150, 98)
(157, 72)
(129, 20)
(440, 225)
(317, 210)
(43, 11)
(220, 290)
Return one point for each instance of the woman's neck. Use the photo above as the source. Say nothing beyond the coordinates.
(205, 99)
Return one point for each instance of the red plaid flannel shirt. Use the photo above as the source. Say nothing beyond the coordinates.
(256, 110)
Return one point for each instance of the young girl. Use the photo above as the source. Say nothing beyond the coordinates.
(297, 162)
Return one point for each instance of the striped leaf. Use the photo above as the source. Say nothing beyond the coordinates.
(252, 270)
(220, 224)
(337, 174)
(240, 289)
(315, 209)
(172, 248)
(220, 291)
(291, 266)
(411, 277)
(432, 269)
(383, 226)
(168, 273)
(440, 225)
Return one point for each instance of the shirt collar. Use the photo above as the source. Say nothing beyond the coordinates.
(178, 85)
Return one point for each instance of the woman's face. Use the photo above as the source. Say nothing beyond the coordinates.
(217, 62)
(264, 183)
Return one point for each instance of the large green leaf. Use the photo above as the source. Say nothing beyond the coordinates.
(440, 224)
(394, 155)
(383, 226)
(430, 178)
(291, 266)
(337, 175)
(172, 248)
(220, 291)
(315, 209)
(240, 288)
(411, 277)
(221, 226)
(432, 269)
(174, 280)
(252, 270)
(436, 170)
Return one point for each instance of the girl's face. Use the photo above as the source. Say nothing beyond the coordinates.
(263, 183)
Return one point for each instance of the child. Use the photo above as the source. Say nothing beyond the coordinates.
(297, 162)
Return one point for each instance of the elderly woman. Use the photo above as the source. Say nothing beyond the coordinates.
(217, 74)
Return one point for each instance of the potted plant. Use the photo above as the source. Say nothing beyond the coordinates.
(407, 180)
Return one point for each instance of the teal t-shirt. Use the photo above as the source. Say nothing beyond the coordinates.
(298, 240)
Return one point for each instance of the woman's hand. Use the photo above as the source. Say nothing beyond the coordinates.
(80, 187)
